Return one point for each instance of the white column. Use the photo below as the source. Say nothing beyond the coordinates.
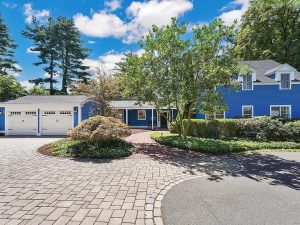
(39, 121)
(79, 114)
(152, 115)
(126, 116)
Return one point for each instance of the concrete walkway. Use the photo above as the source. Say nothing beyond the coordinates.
(36, 189)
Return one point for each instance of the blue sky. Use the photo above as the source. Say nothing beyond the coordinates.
(108, 27)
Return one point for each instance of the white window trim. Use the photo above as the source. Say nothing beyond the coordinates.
(138, 113)
(281, 88)
(244, 106)
(290, 108)
(224, 115)
(251, 84)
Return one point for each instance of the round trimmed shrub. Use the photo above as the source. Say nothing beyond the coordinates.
(100, 128)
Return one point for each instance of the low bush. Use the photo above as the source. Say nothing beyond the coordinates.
(258, 128)
(100, 128)
(219, 146)
(95, 149)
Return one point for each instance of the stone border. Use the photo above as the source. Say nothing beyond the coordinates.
(154, 202)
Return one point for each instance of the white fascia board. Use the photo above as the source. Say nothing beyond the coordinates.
(24, 107)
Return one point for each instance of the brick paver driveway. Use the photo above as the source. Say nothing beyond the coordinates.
(36, 189)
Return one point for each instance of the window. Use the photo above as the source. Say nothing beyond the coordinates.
(30, 113)
(141, 114)
(1, 112)
(49, 112)
(15, 113)
(65, 112)
(120, 115)
(280, 111)
(218, 115)
(247, 83)
(247, 111)
(285, 81)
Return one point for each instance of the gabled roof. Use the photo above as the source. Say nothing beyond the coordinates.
(264, 68)
(49, 99)
(130, 104)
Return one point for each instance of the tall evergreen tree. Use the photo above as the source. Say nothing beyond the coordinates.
(71, 53)
(270, 29)
(45, 44)
(7, 46)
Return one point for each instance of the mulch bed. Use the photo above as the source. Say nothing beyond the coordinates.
(45, 150)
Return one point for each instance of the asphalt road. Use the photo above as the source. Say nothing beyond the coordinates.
(265, 192)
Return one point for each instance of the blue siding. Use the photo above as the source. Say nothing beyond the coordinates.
(261, 97)
(2, 118)
(87, 110)
(75, 116)
(133, 118)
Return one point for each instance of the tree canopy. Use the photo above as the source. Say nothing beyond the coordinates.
(270, 29)
(10, 88)
(7, 46)
(175, 71)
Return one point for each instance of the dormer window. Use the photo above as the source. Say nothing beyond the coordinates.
(285, 81)
(247, 83)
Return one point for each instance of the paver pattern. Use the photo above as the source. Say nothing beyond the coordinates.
(36, 189)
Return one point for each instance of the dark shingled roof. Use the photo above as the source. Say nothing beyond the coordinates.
(262, 66)
(48, 99)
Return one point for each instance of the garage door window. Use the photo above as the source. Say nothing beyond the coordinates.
(15, 113)
(65, 112)
(49, 112)
(30, 113)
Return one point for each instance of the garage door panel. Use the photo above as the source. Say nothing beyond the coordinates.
(22, 123)
(56, 122)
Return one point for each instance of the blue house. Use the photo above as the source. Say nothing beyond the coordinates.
(56, 115)
(272, 89)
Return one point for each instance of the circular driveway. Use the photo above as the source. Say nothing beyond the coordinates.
(266, 192)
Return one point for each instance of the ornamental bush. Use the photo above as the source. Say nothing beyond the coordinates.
(100, 128)
(258, 128)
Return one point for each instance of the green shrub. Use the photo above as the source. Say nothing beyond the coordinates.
(100, 128)
(258, 128)
(219, 146)
(91, 148)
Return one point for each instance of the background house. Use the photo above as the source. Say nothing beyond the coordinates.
(272, 89)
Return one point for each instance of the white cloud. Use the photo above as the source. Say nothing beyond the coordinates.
(92, 42)
(140, 15)
(234, 11)
(113, 5)
(40, 15)
(47, 75)
(101, 25)
(155, 12)
(28, 50)
(13, 73)
(26, 84)
(9, 5)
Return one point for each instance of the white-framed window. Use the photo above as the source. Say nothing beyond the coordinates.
(1, 112)
(33, 113)
(247, 83)
(218, 115)
(283, 111)
(247, 111)
(67, 112)
(141, 114)
(285, 81)
(15, 113)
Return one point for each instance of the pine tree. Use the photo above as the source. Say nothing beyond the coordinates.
(71, 53)
(7, 46)
(45, 43)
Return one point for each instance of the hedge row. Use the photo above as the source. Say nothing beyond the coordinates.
(258, 128)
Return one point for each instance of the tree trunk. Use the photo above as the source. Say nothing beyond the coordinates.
(65, 74)
(51, 76)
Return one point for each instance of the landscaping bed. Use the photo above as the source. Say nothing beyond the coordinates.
(215, 146)
(88, 149)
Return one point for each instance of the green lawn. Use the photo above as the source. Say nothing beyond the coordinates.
(91, 149)
(221, 146)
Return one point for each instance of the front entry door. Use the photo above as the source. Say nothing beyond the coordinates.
(163, 120)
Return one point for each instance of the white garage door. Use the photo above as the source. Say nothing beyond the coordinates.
(56, 122)
(22, 123)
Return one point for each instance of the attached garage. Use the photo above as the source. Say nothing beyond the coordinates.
(44, 115)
